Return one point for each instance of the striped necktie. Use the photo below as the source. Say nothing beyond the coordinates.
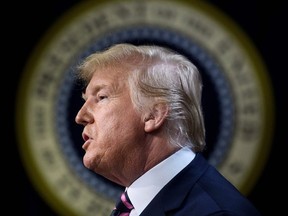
(123, 207)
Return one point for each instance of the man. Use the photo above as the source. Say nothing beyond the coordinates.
(144, 129)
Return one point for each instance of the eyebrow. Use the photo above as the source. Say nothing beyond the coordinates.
(94, 90)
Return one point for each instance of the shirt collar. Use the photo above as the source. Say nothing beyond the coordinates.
(151, 182)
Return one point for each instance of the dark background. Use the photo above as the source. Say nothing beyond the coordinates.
(25, 23)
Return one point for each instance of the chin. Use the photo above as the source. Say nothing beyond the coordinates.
(88, 162)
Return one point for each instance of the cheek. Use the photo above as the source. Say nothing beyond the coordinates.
(116, 124)
(134, 130)
(121, 120)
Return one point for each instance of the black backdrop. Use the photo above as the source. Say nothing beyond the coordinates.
(25, 23)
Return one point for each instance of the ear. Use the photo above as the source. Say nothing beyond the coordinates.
(155, 118)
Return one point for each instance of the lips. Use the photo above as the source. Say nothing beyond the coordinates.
(85, 137)
(87, 140)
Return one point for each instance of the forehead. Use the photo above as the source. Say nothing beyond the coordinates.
(108, 76)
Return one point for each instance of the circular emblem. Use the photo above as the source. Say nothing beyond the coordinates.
(236, 96)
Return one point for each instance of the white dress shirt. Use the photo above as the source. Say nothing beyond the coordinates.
(145, 188)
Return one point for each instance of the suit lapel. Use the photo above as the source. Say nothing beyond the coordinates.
(178, 188)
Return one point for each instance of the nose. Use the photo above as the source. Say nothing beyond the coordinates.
(83, 116)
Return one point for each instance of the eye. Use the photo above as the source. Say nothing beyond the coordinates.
(101, 97)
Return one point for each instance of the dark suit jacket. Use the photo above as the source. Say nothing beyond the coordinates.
(199, 189)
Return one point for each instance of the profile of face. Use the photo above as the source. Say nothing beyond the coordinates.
(114, 132)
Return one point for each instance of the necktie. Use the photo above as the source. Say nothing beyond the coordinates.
(123, 207)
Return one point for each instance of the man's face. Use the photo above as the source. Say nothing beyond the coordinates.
(113, 130)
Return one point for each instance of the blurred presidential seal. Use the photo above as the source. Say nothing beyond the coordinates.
(237, 101)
